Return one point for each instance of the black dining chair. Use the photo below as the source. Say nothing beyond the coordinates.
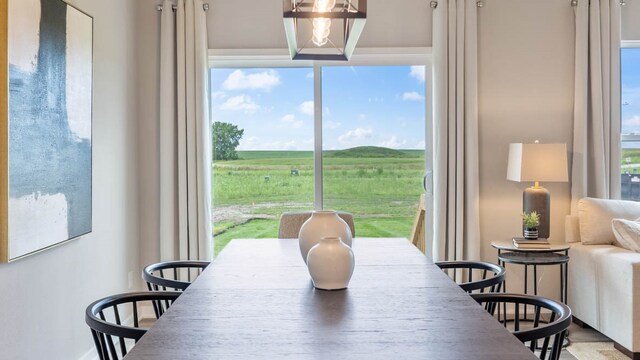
(475, 276)
(172, 275)
(550, 323)
(112, 332)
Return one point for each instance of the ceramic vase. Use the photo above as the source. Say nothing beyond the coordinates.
(322, 224)
(330, 264)
(531, 234)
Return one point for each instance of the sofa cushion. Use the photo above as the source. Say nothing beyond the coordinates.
(596, 215)
(627, 233)
(572, 229)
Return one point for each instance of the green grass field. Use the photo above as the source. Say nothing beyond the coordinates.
(630, 161)
(380, 187)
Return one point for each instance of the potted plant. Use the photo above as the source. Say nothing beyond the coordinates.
(530, 223)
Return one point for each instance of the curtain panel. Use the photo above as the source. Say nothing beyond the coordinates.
(185, 134)
(455, 137)
(595, 168)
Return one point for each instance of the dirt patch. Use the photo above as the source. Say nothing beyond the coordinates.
(243, 213)
(236, 225)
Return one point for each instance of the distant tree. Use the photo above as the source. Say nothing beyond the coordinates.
(226, 138)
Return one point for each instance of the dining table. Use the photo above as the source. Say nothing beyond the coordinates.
(256, 300)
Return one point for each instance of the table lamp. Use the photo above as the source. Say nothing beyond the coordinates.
(538, 163)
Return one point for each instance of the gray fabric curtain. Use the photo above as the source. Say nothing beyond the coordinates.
(185, 134)
(596, 124)
(456, 173)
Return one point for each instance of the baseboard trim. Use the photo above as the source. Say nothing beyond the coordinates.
(632, 355)
(581, 323)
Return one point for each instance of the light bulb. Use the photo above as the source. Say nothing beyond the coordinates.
(321, 31)
(319, 41)
(324, 5)
(321, 27)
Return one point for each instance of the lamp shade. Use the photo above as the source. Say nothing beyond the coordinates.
(538, 162)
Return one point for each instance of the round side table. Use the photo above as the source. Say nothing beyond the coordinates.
(556, 254)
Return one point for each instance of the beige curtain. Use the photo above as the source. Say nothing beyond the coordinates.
(185, 144)
(596, 123)
(456, 174)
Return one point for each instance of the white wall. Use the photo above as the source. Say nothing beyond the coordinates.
(631, 20)
(44, 296)
(526, 58)
(148, 20)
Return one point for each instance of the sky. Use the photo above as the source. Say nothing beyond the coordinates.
(372, 105)
(630, 58)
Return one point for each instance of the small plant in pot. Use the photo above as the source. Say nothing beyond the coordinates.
(530, 223)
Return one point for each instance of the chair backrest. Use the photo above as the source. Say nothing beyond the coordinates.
(172, 275)
(552, 330)
(291, 222)
(107, 317)
(475, 275)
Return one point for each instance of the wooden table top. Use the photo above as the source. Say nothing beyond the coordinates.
(257, 301)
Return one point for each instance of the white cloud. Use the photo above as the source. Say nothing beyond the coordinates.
(632, 121)
(393, 142)
(291, 121)
(239, 80)
(240, 102)
(362, 116)
(352, 137)
(218, 95)
(307, 108)
(248, 143)
(310, 75)
(327, 111)
(421, 144)
(289, 118)
(282, 145)
(418, 72)
(254, 143)
(412, 96)
(332, 125)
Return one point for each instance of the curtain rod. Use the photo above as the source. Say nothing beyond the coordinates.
(205, 6)
(434, 4)
(574, 3)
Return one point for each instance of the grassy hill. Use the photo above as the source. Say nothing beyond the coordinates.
(369, 152)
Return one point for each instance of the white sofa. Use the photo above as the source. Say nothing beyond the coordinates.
(604, 280)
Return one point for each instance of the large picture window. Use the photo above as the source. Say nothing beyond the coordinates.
(269, 123)
(630, 79)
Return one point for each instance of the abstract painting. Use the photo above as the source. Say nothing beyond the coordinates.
(45, 137)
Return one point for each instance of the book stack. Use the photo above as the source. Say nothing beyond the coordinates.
(522, 243)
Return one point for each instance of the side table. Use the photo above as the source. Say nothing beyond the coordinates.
(557, 254)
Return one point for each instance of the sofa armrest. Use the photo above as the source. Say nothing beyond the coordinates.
(618, 276)
(572, 229)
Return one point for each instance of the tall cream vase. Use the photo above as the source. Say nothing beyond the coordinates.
(322, 224)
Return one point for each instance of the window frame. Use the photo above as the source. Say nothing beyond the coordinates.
(625, 44)
(276, 58)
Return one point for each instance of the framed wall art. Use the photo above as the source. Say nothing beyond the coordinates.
(45, 125)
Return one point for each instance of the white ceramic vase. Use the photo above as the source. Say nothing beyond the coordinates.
(322, 224)
(330, 264)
